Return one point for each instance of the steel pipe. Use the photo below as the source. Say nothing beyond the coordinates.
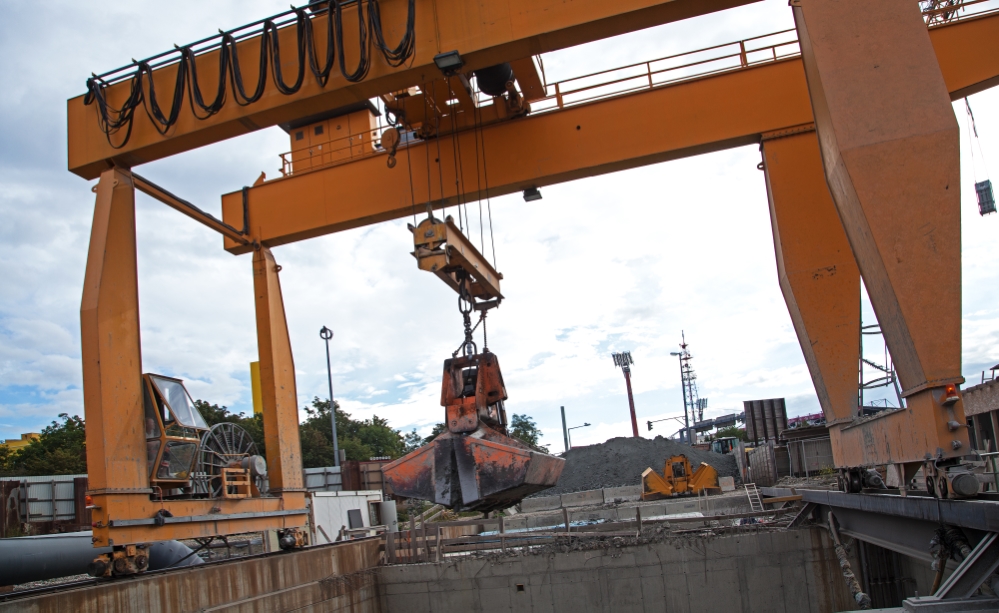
(37, 558)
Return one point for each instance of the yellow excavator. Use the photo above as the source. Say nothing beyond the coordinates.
(678, 479)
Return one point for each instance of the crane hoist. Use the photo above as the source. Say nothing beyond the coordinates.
(474, 464)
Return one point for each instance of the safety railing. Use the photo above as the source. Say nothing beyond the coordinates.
(669, 70)
(943, 12)
(433, 541)
(348, 148)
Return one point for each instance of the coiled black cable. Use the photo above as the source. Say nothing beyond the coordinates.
(142, 89)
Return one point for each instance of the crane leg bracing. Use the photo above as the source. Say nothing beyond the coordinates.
(890, 150)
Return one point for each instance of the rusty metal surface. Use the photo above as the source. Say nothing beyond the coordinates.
(481, 471)
(329, 574)
(473, 465)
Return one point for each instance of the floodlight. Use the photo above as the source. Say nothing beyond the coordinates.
(449, 62)
(531, 194)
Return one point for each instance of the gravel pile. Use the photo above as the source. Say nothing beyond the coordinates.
(620, 461)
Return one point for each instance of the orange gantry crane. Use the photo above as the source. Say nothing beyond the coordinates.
(852, 111)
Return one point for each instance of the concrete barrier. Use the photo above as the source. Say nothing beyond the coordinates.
(727, 484)
(545, 503)
(627, 493)
(583, 499)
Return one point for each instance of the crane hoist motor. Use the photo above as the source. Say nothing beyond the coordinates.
(474, 464)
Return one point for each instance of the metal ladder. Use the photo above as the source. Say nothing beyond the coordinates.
(755, 503)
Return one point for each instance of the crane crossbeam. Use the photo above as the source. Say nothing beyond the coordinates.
(484, 34)
(647, 126)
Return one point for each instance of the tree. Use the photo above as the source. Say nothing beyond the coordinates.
(523, 428)
(412, 441)
(437, 430)
(736, 431)
(359, 439)
(60, 450)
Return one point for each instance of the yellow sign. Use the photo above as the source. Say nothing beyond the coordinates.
(258, 398)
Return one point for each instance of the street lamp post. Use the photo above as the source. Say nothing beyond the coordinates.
(683, 392)
(625, 361)
(569, 433)
(564, 430)
(326, 334)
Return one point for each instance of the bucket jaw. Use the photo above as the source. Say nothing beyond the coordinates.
(473, 465)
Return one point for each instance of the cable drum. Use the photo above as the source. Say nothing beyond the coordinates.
(142, 92)
(224, 446)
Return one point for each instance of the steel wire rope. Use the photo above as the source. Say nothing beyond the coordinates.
(111, 120)
(489, 204)
(440, 167)
(400, 125)
(412, 188)
(459, 171)
(478, 184)
(973, 139)
(426, 152)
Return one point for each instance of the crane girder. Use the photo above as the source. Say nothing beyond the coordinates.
(654, 125)
(485, 34)
(534, 151)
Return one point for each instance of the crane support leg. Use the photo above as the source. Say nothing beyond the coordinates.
(112, 360)
(889, 143)
(277, 381)
(124, 506)
(817, 271)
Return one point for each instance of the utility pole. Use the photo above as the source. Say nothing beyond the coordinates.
(683, 390)
(326, 334)
(565, 430)
(624, 360)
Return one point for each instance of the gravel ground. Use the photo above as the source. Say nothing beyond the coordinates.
(49, 582)
(620, 461)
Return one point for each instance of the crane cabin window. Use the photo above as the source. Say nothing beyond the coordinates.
(179, 403)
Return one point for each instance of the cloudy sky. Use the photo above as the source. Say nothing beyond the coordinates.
(618, 262)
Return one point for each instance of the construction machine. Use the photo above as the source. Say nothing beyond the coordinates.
(678, 479)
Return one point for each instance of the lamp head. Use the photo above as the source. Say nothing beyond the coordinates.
(449, 62)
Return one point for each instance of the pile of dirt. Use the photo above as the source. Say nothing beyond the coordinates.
(620, 461)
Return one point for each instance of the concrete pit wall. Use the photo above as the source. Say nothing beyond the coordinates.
(331, 578)
(793, 571)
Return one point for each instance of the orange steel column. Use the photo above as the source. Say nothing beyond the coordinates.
(112, 362)
(818, 274)
(889, 143)
(277, 379)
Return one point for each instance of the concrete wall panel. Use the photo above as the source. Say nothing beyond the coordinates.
(767, 571)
